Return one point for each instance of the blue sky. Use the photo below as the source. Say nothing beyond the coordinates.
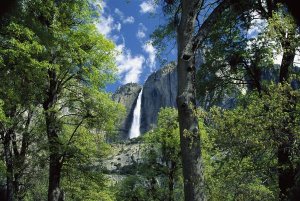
(129, 24)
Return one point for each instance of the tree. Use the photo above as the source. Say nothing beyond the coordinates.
(21, 76)
(184, 15)
(162, 152)
(243, 146)
(256, 62)
(189, 39)
(158, 175)
(80, 63)
(186, 103)
(67, 64)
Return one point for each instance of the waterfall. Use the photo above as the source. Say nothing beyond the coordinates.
(135, 126)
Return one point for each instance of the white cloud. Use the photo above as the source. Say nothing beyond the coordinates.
(125, 20)
(119, 13)
(141, 31)
(106, 25)
(148, 6)
(140, 34)
(129, 67)
(151, 51)
(128, 20)
(118, 26)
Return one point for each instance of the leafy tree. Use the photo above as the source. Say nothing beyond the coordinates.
(186, 99)
(65, 64)
(80, 63)
(162, 154)
(159, 174)
(243, 65)
(184, 16)
(21, 76)
(242, 146)
(132, 188)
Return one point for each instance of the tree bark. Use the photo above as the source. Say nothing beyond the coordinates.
(186, 103)
(171, 180)
(289, 188)
(55, 165)
(286, 170)
(9, 166)
(287, 60)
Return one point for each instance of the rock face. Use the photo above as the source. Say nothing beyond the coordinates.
(127, 95)
(124, 159)
(160, 90)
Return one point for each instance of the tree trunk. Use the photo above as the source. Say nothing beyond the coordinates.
(54, 191)
(52, 128)
(55, 164)
(287, 60)
(9, 166)
(286, 171)
(171, 181)
(186, 103)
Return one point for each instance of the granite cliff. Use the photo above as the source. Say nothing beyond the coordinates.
(159, 90)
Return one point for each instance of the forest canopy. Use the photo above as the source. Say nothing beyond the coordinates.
(234, 134)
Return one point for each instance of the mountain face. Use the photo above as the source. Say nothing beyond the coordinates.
(160, 90)
(127, 95)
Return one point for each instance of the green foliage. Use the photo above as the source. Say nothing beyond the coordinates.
(2, 115)
(159, 174)
(83, 182)
(166, 135)
(21, 70)
(241, 145)
(58, 38)
(282, 28)
(132, 188)
(234, 61)
(2, 172)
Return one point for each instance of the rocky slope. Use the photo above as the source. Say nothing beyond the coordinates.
(124, 158)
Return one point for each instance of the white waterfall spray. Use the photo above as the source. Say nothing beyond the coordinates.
(135, 126)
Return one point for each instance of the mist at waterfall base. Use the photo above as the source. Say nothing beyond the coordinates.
(135, 126)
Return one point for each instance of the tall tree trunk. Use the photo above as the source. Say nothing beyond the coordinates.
(186, 103)
(52, 128)
(287, 60)
(171, 181)
(286, 167)
(54, 191)
(288, 181)
(9, 166)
